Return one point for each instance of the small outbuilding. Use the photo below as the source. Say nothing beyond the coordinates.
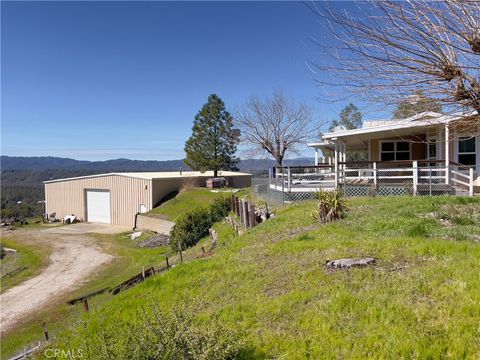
(116, 198)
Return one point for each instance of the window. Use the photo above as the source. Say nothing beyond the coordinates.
(395, 150)
(467, 153)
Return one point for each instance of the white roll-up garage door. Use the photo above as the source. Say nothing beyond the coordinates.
(98, 206)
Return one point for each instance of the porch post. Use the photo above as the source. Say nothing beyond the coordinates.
(316, 156)
(336, 165)
(415, 177)
(447, 154)
(470, 182)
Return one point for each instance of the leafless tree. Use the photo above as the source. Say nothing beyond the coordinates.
(386, 50)
(275, 125)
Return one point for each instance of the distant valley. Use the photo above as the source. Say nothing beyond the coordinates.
(22, 177)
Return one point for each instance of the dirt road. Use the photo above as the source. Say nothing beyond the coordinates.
(74, 257)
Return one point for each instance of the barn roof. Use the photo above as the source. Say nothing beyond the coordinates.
(156, 175)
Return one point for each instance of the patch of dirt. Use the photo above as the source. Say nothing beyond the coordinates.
(74, 257)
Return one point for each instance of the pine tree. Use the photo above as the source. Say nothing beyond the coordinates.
(214, 139)
(350, 118)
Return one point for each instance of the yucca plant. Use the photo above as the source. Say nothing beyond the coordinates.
(331, 206)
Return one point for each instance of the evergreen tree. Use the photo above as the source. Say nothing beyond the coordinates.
(350, 118)
(214, 139)
(416, 104)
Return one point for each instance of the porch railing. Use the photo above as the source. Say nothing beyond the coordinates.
(416, 174)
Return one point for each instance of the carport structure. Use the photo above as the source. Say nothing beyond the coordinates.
(115, 198)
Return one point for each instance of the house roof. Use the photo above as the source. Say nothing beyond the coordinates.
(156, 175)
(383, 128)
(420, 120)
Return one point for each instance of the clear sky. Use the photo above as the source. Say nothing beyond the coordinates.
(103, 80)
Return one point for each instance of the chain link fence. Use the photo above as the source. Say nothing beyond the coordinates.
(426, 177)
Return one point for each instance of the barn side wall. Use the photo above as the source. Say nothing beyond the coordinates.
(126, 194)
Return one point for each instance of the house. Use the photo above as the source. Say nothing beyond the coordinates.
(116, 198)
(428, 153)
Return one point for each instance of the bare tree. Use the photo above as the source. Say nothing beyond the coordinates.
(275, 125)
(385, 51)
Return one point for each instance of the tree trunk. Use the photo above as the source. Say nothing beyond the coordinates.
(215, 173)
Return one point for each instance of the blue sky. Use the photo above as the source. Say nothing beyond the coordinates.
(103, 80)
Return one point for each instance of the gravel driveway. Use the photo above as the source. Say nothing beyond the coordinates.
(74, 257)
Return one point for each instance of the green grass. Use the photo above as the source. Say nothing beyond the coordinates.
(129, 261)
(185, 201)
(20, 266)
(421, 300)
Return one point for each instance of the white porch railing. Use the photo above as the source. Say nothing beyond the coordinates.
(418, 175)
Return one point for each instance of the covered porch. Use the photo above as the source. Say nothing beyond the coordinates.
(416, 177)
(422, 155)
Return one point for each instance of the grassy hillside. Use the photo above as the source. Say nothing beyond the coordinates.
(25, 263)
(271, 288)
(184, 201)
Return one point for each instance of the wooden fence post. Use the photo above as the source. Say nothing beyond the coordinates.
(181, 255)
(45, 330)
(85, 305)
(237, 210)
(245, 214)
(241, 213)
(168, 264)
(253, 218)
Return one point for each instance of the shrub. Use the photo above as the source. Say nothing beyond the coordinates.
(194, 225)
(219, 208)
(331, 206)
(156, 334)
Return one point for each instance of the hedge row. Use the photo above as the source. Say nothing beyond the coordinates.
(194, 225)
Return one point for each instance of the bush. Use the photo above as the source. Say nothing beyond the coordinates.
(331, 206)
(155, 334)
(194, 225)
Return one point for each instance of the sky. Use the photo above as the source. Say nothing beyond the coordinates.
(106, 80)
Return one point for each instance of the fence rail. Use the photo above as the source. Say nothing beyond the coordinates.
(418, 177)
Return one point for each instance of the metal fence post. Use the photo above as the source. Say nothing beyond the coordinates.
(375, 173)
(289, 179)
(430, 178)
(470, 182)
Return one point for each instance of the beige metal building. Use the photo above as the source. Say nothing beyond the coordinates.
(116, 198)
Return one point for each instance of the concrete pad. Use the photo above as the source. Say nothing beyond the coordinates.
(83, 228)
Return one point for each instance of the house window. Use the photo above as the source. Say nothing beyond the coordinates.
(467, 152)
(395, 150)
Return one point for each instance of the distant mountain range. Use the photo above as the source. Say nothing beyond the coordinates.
(119, 165)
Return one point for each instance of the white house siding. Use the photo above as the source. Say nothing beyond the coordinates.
(68, 197)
